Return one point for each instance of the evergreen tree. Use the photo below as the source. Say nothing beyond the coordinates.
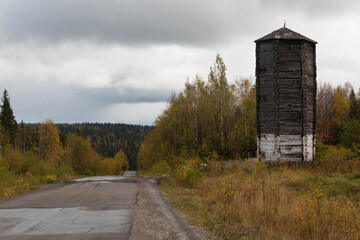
(7, 118)
(354, 112)
(351, 133)
(21, 139)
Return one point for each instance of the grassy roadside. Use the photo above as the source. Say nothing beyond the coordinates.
(13, 184)
(271, 202)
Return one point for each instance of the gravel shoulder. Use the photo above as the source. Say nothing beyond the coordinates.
(155, 218)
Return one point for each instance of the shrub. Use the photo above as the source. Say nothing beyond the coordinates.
(39, 170)
(13, 159)
(160, 167)
(318, 218)
(188, 175)
(192, 177)
(64, 172)
(338, 159)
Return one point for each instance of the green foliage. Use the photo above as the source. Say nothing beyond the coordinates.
(338, 113)
(351, 134)
(337, 159)
(81, 155)
(188, 174)
(354, 112)
(192, 177)
(160, 167)
(13, 160)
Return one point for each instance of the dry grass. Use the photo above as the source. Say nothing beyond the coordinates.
(272, 203)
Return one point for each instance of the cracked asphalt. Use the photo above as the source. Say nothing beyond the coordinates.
(105, 208)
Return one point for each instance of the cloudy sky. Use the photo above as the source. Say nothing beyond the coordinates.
(120, 60)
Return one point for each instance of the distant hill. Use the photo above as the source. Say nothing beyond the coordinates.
(107, 138)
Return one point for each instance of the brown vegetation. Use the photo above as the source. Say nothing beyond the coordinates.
(271, 202)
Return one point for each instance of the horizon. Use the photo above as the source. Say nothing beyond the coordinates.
(74, 123)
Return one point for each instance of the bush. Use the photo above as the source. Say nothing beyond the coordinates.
(39, 170)
(318, 218)
(160, 167)
(64, 172)
(13, 159)
(188, 175)
(192, 177)
(335, 159)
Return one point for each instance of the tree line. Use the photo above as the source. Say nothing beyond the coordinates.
(338, 116)
(217, 120)
(106, 138)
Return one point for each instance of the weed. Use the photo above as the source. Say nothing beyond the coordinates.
(271, 202)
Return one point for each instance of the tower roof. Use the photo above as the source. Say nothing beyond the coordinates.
(285, 33)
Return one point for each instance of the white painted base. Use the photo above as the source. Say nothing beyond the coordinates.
(309, 147)
(283, 148)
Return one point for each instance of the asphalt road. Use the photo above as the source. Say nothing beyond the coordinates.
(94, 208)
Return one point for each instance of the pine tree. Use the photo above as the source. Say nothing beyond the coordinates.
(21, 136)
(7, 118)
(354, 112)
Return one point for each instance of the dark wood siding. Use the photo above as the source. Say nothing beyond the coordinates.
(290, 87)
(265, 70)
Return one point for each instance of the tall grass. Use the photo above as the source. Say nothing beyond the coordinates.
(277, 202)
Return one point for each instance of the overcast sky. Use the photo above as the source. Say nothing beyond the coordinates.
(119, 60)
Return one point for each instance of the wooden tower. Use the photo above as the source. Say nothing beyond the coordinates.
(286, 96)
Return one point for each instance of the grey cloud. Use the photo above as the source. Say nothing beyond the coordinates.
(316, 9)
(125, 95)
(143, 22)
(37, 101)
(124, 21)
